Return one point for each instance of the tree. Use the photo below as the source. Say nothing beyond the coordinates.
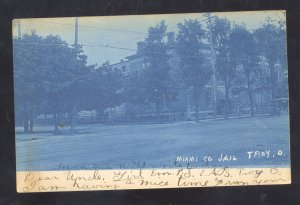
(135, 90)
(48, 76)
(194, 66)
(226, 65)
(104, 89)
(64, 74)
(245, 53)
(271, 38)
(77, 83)
(28, 61)
(158, 79)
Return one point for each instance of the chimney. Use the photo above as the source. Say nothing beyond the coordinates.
(140, 47)
(171, 38)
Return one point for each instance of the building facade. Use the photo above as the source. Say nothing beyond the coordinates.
(183, 108)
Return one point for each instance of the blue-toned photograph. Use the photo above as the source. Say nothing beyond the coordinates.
(151, 91)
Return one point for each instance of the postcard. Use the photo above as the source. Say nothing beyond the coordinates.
(151, 101)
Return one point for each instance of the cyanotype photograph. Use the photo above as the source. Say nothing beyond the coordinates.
(147, 92)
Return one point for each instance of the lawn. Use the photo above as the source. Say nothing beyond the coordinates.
(157, 145)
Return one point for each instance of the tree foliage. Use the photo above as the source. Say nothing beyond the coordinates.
(247, 55)
(52, 77)
(223, 39)
(271, 37)
(49, 76)
(158, 81)
(195, 68)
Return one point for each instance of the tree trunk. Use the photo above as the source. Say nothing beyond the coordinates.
(92, 119)
(31, 119)
(273, 81)
(197, 102)
(250, 97)
(197, 109)
(55, 124)
(226, 98)
(99, 114)
(112, 115)
(25, 123)
(157, 104)
(73, 118)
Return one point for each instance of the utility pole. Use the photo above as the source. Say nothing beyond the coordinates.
(74, 107)
(19, 29)
(213, 62)
(76, 32)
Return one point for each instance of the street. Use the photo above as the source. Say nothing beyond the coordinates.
(250, 142)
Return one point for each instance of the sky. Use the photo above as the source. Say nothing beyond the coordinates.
(124, 32)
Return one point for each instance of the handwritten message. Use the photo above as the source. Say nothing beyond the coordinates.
(56, 181)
